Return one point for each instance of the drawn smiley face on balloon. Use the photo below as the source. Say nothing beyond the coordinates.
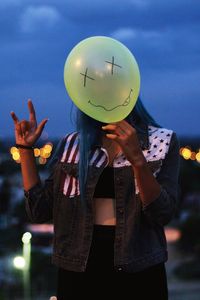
(102, 78)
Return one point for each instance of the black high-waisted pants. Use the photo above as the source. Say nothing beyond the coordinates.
(101, 280)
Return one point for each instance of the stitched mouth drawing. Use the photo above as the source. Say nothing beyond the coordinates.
(125, 103)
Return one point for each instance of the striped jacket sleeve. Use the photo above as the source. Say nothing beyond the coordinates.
(39, 199)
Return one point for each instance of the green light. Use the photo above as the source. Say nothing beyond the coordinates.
(19, 262)
(26, 237)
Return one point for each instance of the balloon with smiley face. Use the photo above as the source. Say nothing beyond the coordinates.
(102, 78)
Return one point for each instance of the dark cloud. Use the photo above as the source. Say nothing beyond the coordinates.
(36, 37)
(153, 14)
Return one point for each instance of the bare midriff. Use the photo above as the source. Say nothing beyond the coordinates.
(104, 211)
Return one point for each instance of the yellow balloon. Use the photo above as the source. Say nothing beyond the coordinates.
(102, 78)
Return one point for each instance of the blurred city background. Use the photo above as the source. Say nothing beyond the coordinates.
(35, 38)
(26, 271)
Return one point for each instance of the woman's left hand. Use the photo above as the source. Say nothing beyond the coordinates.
(126, 136)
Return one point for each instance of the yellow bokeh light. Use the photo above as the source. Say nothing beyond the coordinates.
(180, 150)
(13, 150)
(36, 152)
(42, 160)
(48, 148)
(186, 153)
(46, 155)
(198, 156)
(16, 156)
(42, 152)
(193, 156)
(45, 152)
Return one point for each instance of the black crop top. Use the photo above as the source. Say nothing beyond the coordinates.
(105, 185)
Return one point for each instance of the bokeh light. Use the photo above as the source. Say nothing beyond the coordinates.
(26, 237)
(42, 154)
(36, 152)
(19, 262)
(198, 156)
(186, 153)
(42, 160)
(16, 155)
(13, 150)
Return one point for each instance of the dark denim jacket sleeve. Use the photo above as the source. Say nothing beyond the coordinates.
(162, 209)
(39, 199)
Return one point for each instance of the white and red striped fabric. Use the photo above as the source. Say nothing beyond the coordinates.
(159, 141)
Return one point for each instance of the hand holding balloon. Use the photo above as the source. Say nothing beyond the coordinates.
(126, 136)
(28, 132)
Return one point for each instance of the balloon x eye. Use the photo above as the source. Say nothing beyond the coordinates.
(112, 63)
(86, 76)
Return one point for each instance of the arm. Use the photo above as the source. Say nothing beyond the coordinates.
(158, 195)
(163, 207)
(125, 135)
(29, 171)
(26, 134)
(39, 198)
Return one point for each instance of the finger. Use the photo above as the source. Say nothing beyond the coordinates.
(24, 125)
(112, 136)
(125, 127)
(41, 127)
(14, 117)
(18, 130)
(119, 128)
(109, 127)
(113, 129)
(32, 115)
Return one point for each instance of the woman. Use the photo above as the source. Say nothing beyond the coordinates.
(112, 190)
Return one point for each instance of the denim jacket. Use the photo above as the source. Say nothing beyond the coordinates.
(139, 235)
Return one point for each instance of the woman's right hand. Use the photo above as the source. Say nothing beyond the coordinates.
(28, 132)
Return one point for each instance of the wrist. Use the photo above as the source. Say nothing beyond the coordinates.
(25, 150)
(26, 147)
(138, 161)
(26, 153)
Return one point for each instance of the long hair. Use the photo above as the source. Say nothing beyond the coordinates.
(90, 134)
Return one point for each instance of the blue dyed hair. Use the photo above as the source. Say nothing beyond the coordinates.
(90, 134)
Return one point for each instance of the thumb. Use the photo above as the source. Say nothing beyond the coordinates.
(41, 127)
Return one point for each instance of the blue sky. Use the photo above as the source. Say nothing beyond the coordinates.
(36, 37)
